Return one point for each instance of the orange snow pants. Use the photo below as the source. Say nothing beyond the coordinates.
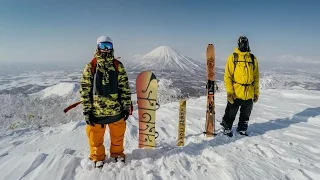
(96, 140)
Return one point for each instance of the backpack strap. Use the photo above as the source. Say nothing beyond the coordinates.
(252, 59)
(93, 66)
(235, 61)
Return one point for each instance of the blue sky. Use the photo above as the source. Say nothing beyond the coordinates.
(66, 31)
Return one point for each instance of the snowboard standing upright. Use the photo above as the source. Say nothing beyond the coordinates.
(210, 113)
(182, 122)
(146, 88)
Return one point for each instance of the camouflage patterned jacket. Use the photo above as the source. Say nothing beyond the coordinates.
(106, 86)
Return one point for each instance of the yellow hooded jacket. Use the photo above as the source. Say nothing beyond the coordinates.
(242, 80)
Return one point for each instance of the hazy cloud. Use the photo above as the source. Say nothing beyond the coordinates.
(299, 59)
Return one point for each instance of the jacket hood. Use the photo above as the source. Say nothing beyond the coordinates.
(236, 50)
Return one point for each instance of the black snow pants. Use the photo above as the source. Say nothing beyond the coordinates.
(231, 112)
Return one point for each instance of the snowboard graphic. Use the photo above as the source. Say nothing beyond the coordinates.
(182, 123)
(210, 114)
(146, 88)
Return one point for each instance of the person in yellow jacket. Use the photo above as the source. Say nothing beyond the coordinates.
(106, 100)
(241, 80)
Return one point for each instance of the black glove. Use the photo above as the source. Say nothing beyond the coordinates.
(126, 114)
(88, 117)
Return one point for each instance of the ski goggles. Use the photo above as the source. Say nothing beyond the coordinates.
(105, 45)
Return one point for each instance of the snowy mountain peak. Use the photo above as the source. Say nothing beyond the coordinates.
(165, 58)
(162, 51)
(163, 48)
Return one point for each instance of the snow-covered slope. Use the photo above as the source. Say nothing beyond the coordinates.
(61, 89)
(165, 58)
(280, 78)
(284, 143)
(30, 82)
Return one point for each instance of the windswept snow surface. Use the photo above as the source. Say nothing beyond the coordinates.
(284, 143)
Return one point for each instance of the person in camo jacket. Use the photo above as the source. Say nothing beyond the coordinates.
(106, 100)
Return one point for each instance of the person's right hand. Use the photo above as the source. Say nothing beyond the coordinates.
(126, 114)
(231, 98)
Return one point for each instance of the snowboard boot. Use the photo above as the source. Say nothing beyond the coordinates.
(99, 164)
(227, 132)
(119, 158)
(243, 133)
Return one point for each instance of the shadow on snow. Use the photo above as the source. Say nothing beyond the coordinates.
(194, 149)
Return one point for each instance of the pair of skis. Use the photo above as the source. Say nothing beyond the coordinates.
(210, 113)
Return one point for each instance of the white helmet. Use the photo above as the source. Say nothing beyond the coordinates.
(104, 39)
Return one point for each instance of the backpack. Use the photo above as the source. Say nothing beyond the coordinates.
(235, 61)
(115, 64)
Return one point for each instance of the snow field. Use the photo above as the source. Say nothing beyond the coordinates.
(283, 144)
